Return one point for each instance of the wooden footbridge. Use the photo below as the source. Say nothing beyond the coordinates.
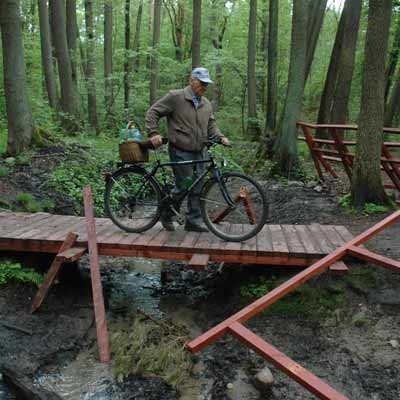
(290, 245)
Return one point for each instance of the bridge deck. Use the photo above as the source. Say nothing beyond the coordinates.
(296, 245)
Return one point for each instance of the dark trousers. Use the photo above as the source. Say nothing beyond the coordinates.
(181, 172)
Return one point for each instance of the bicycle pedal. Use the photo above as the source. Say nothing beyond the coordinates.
(180, 219)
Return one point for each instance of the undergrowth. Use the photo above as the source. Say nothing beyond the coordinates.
(14, 272)
(368, 209)
(312, 302)
(149, 347)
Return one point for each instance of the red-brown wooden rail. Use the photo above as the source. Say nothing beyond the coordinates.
(336, 149)
(233, 324)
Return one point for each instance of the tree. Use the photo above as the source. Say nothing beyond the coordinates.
(47, 61)
(253, 129)
(196, 34)
(154, 55)
(272, 82)
(335, 96)
(69, 99)
(72, 34)
(90, 66)
(136, 39)
(127, 62)
(108, 65)
(367, 183)
(19, 116)
(285, 148)
(177, 17)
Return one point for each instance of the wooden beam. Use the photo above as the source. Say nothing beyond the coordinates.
(339, 268)
(198, 262)
(73, 254)
(374, 258)
(52, 272)
(291, 368)
(103, 340)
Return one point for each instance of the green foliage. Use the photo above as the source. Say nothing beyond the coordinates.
(3, 171)
(307, 301)
(368, 209)
(10, 271)
(362, 279)
(150, 348)
(28, 203)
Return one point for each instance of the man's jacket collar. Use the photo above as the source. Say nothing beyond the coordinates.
(188, 92)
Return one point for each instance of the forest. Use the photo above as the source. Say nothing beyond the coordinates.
(84, 68)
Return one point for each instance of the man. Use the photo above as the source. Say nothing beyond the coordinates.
(190, 123)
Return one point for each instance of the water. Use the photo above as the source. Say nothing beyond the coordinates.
(5, 393)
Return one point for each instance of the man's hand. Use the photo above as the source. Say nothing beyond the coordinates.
(156, 141)
(225, 141)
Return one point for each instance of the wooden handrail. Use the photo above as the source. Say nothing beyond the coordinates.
(349, 127)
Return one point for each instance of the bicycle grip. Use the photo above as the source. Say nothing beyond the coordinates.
(147, 144)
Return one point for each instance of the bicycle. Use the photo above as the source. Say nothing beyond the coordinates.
(233, 206)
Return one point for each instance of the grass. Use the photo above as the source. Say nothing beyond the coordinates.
(307, 301)
(14, 272)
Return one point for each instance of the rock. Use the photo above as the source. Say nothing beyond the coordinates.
(311, 184)
(264, 379)
(318, 189)
(359, 319)
(394, 343)
(387, 296)
(229, 386)
(241, 388)
(10, 160)
(295, 183)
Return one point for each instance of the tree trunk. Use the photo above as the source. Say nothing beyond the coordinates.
(154, 56)
(253, 129)
(393, 104)
(72, 34)
(393, 58)
(19, 116)
(316, 16)
(69, 97)
(108, 65)
(286, 144)
(367, 182)
(341, 96)
(136, 39)
(127, 61)
(91, 66)
(196, 34)
(272, 84)
(47, 61)
(345, 42)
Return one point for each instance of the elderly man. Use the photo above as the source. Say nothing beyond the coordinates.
(190, 122)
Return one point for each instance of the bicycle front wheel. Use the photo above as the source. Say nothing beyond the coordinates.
(237, 222)
(132, 201)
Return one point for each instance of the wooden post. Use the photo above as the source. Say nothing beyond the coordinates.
(98, 300)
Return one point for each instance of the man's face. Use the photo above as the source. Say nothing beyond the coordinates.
(198, 87)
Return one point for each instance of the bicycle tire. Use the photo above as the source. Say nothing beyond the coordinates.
(132, 200)
(242, 221)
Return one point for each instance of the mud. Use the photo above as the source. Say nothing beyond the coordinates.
(359, 359)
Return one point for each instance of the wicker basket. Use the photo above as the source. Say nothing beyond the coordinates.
(131, 152)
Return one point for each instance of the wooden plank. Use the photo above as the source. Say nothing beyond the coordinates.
(204, 241)
(146, 238)
(339, 268)
(59, 225)
(279, 244)
(333, 235)
(309, 242)
(294, 370)
(190, 240)
(198, 262)
(249, 245)
(72, 254)
(323, 242)
(264, 240)
(234, 229)
(52, 272)
(25, 227)
(98, 300)
(343, 232)
(292, 239)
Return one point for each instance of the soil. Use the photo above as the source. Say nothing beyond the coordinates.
(355, 348)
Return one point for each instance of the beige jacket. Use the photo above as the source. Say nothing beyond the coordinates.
(188, 127)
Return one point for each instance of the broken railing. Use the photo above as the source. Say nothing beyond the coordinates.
(234, 324)
(339, 149)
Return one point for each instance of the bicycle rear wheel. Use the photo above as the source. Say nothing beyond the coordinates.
(132, 201)
(245, 218)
